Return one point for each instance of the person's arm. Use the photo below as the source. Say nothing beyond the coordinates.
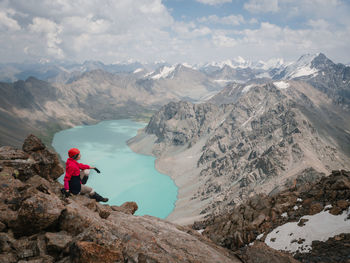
(67, 178)
(84, 166)
(66, 185)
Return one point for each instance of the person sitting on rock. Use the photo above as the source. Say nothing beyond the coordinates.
(76, 177)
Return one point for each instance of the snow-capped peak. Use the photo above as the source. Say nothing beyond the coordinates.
(272, 63)
(302, 67)
(307, 58)
(164, 72)
(240, 62)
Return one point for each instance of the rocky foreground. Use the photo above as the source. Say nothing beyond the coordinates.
(37, 224)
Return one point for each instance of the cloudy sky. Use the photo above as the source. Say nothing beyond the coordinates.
(191, 31)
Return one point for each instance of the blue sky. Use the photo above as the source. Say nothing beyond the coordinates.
(192, 31)
(184, 10)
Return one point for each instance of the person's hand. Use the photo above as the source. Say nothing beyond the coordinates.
(65, 192)
(97, 170)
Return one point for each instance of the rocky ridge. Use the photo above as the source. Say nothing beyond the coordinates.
(261, 137)
(251, 221)
(323, 74)
(37, 224)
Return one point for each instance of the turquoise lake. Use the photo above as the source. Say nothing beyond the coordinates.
(125, 175)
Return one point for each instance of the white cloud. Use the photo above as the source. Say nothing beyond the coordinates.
(51, 30)
(214, 2)
(190, 30)
(8, 22)
(81, 30)
(226, 20)
(87, 24)
(253, 21)
(318, 24)
(145, 30)
(262, 6)
(273, 41)
(220, 39)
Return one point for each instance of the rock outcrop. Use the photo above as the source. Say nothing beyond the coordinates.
(261, 253)
(38, 224)
(335, 249)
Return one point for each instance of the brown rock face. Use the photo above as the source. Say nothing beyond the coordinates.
(32, 144)
(315, 208)
(47, 164)
(90, 252)
(37, 213)
(261, 253)
(335, 249)
(34, 159)
(129, 207)
(57, 242)
(10, 153)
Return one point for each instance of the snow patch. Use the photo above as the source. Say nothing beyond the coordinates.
(149, 74)
(263, 75)
(224, 81)
(284, 214)
(247, 88)
(304, 71)
(138, 70)
(187, 65)
(319, 227)
(328, 207)
(209, 96)
(240, 62)
(200, 231)
(258, 113)
(281, 84)
(259, 236)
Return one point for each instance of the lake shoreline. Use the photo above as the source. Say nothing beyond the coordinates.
(182, 169)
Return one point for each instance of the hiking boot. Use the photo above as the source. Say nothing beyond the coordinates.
(99, 198)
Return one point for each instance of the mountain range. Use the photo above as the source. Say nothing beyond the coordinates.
(94, 91)
(63, 72)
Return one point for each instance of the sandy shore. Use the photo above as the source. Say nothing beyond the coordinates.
(181, 165)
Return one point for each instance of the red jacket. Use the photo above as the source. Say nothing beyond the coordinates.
(73, 169)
